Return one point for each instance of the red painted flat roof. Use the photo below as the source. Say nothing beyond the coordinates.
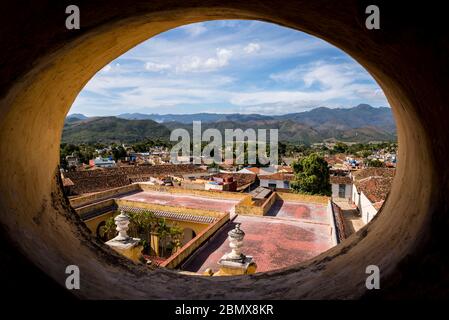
(309, 212)
(300, 231)
(183, 200)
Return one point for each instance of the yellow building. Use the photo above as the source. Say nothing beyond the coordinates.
(96, 209)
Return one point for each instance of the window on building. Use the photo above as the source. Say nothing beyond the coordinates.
(341, 190)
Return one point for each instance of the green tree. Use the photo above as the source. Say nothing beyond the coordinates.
(311, 175)
(140, 226)
(108, 231)
(176, 234)
(365, 153)
(169, 237)
(163, 232)
(118, 153)
(282, 147)
(340, 147)
(374, 163)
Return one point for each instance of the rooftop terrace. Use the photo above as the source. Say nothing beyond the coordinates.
(183, 200)
(294, 233)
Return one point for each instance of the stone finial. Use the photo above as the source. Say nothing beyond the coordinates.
(122, 222)
(128, 246)
(235, 262)
(236, 237)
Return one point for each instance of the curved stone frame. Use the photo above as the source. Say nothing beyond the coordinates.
(45, 66)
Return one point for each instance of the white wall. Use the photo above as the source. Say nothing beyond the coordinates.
(355, 198)
(280, 184)
(244, 170)
(333, 231)
(367, 209)
(348, 191)
(211, 186)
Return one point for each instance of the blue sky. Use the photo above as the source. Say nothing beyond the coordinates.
(226, 67)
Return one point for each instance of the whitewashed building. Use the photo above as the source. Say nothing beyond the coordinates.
(276, 180)
(341, 187)
(370, 189)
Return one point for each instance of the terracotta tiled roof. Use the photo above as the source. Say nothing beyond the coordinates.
(375, 188)
(285, 169)
(171, 215)
(340, 180)
(339, 222)
(98, 180)
(373, 172)
(334, 159)
(277, 176)
(242, 179)
(253, 169)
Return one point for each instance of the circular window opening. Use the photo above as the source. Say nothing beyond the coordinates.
(312, 143)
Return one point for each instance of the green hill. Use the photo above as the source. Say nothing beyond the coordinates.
(112, 129)
(359, 124)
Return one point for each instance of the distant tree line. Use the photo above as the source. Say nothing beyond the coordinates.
(85, 152)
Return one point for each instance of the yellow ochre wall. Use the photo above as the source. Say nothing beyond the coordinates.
(152, 207)
(93, 223)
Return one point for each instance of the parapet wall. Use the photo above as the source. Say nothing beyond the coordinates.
(202, 193)
(288, 196)
(100, 206)
(332, 223)
(103, 195)
(183, 253)
(248, 206)
(339, 222)
(160, 207)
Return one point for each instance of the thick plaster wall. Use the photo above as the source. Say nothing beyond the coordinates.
(43, 66)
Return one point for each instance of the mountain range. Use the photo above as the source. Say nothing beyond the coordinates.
(362, 123)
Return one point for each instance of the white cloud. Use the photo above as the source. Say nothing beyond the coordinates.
(329, 75)
(279, 107)
(237, 79)
(338, 86)
(195, 63)
(106, 68)
(252, 48)
(195, 29)
(222, 59)
(333, 75)
(317, 83)
(156, 67)
(229, 23)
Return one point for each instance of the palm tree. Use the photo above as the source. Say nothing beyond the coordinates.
(141, 225)
(176, 233)
(107, 231)
(163, 231)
